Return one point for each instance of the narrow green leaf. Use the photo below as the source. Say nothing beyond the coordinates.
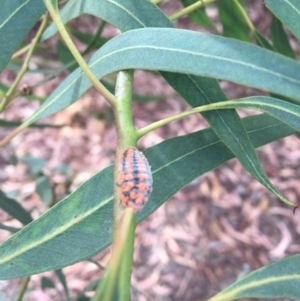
(125, 15)
(63, 281)
(17, 17)
(262, 41)
(233, 22)
(3, 87)
(196, 90)
(5, 123)
(286, 112)
(227, 59)
(14, 209)
(85, 38)
(198, 16)
(80, 225)
(288, 12)
(65, 56)
(46, 282)
(280, 279)
(35, 165)
(280, 39)
(10, 229)
(44, 190)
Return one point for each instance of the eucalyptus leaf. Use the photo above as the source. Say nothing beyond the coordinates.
(228, 59)
(286, 112)
(44, 190)
(65, 56)
(35, 165)
(5, 123)
(233, 21)
(8, 228)
(280, 39)
(46, 283)
(62, 278)
(81, 225)
(288, 12)
(15, 209)
(17, 17)
(280, 279)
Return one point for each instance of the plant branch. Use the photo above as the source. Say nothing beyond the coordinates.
(23, 289)
(80, 60)
(115, 285)
(222, 105)
(155, 125)
(6, 99)
(189, 9)
(245, 16)
(156, 1)
(21, 51)
(126, 133)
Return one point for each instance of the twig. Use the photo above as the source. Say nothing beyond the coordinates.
(80, 60)
(189, 9)
(6, 99)
(23, 289)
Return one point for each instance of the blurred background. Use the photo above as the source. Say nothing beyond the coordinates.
(220, 227)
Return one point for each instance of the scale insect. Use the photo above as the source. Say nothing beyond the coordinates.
(135, 178)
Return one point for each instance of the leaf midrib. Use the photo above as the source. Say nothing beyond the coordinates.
(292, 6)
(68, 225)
(56, 232)
(152, 47)
(256, 283)
(13, 13)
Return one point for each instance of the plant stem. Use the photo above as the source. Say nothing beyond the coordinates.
(155, 125)
(156, 1)
(11, 90)
(126, 133)
(54, 12)
(124, 283)
(118, 276)
(115, 285)
(21, 51)
(189, 9)
(245, 16)
(23, 289)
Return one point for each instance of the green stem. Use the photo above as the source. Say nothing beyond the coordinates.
(126, 133)
(115, 285)
(245, 16)
(84, 66)
(7, 96)
(118, 275)
(96, 36)
(124, 283)
(156, 1)
(155, 125)
(21, 51)
(189, 9)
(23, 289)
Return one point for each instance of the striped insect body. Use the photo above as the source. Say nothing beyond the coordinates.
(135, 178)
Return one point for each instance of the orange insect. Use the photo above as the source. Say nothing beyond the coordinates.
(135, 178)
